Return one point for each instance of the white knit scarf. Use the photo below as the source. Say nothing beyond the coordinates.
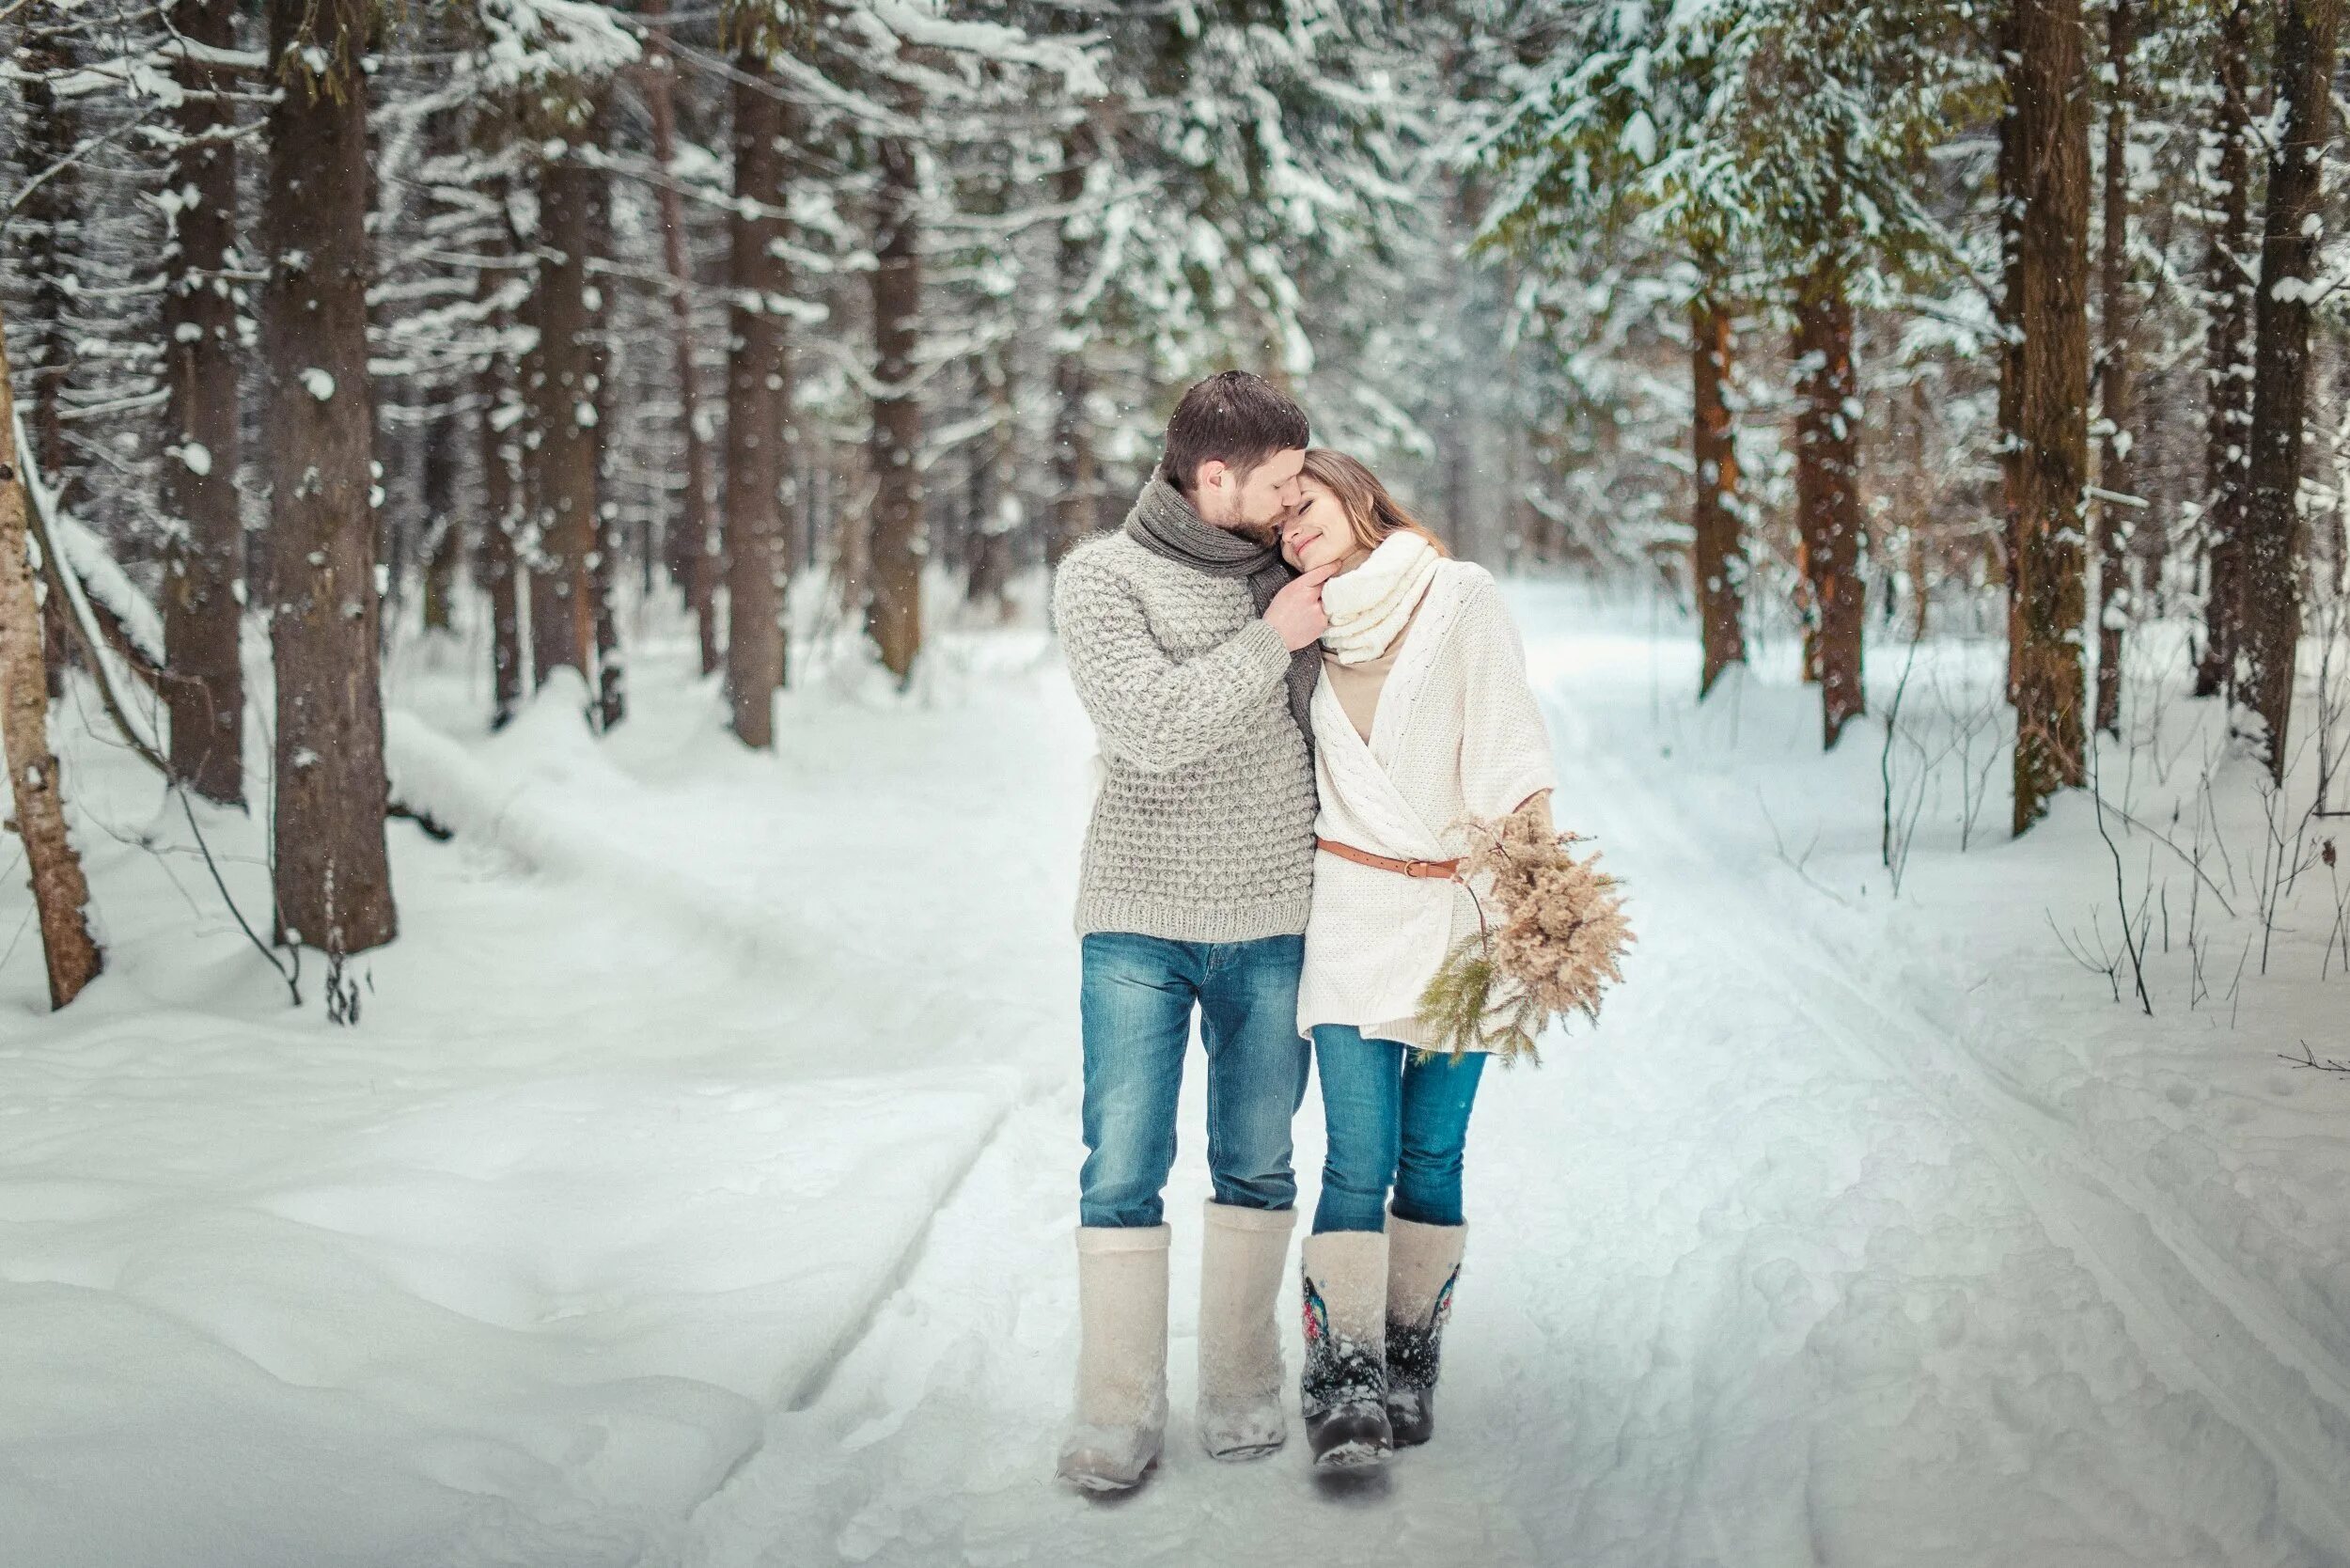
(1370, 605)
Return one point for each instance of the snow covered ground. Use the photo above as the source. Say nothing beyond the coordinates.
(697, 1188)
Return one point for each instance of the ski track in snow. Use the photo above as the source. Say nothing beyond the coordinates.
(2202, 1322)
(1761, 1271)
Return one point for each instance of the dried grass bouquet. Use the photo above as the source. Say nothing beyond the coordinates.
(1551, 934)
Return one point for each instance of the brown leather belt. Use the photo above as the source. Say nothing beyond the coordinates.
(1435, 870)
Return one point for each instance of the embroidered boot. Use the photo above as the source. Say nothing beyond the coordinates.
(1121, 1414)
(1423, 1265)
(1343, 1396)
(1244, 1256)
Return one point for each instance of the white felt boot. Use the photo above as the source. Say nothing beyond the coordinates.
(1244, 1259)
(1121, 1414)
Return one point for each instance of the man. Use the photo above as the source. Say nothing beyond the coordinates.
(1194, 652)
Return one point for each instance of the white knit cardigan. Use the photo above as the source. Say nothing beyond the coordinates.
(1457, 734)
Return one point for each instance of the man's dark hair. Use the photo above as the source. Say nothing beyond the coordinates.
(1235, 418)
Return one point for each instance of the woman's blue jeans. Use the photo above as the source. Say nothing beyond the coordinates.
(1136, 999)
(1398, 1117)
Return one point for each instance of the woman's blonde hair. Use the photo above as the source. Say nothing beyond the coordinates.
(1371, 511)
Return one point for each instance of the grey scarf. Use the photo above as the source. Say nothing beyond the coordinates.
(1165, 525)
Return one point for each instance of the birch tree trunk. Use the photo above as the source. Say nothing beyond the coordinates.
(333, 875)
(1718, 557)
(759, 378)
(896, 608)
(2047, 456)
(35, 795)
(2228, 273)
(204, 564)
(2308, 38)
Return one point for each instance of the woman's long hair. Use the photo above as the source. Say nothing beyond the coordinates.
(1371, 511)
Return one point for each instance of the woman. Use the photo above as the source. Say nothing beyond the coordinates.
(1422, 717)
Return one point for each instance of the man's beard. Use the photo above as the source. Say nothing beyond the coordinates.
(1266, 532)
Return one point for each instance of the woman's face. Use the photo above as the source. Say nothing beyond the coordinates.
(1318, 533)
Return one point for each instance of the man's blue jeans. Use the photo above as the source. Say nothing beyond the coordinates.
(1135, 1001)
(1397, 1116)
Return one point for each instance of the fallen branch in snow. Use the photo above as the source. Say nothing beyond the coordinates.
(534, 819)
(2309, 1058)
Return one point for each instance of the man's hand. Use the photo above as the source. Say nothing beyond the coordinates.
(1296, 610)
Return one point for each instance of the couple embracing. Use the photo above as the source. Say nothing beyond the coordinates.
(1298, 693)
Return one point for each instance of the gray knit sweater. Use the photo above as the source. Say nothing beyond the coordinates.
(1204, 828)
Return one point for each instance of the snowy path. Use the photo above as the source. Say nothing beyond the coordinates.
(698, 1192)
(1758, 1277)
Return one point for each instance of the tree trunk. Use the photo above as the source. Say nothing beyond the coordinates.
(896, 608)
(611, 545)
(445, 534)
(994, 497)
(2228, 271)
(204, 562)
(693, 553)
(1827, 492)
(332, 877)
(501, 429)
(45, 229)
(2011, 184)
(35, 795)
(1719, 556)
(1074, 472)
(2115, 604)
(562, 395)
(2308, 36)
(759, 401)
(2047, 450)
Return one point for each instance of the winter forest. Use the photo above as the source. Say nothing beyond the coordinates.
(539, 1021)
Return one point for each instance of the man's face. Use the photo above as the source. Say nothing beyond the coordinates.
(1253, 503)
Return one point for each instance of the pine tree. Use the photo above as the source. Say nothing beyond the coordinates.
(2308, 44)
(895, 614)
(759, 388)
(332, 872)
(203, 598)
(2229, 273)
(2047, 458)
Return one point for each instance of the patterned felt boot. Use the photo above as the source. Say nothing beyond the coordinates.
(1343, 1397)
(1423, 1265)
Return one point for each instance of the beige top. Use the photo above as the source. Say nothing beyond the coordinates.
(1358, 686)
